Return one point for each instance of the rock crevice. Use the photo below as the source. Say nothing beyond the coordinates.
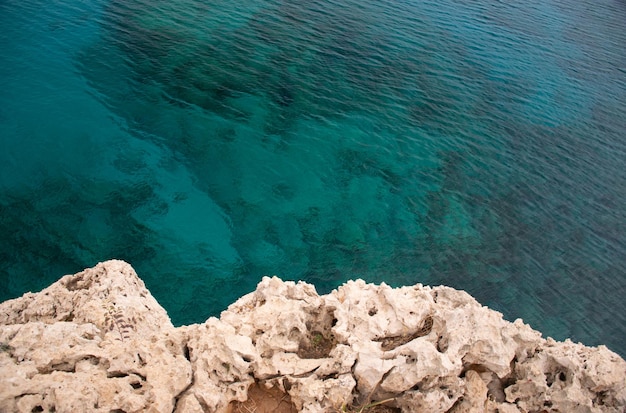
(98, 341)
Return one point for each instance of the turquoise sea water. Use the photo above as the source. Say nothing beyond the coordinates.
(480, 145)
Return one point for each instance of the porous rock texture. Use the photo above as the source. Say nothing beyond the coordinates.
(97, 341)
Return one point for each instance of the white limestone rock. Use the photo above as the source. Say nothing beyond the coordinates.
(98, 341)
(94, 341)
(220, 359)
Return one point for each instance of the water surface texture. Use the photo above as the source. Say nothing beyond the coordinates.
(475, 144)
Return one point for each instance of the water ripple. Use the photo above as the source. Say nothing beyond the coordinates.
(474, 144)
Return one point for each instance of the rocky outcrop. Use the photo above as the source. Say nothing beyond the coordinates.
(97, 341)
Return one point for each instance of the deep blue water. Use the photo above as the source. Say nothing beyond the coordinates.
(476, 144)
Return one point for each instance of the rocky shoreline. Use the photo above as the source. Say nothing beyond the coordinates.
(97, 341)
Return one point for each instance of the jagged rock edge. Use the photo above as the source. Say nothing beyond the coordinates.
(428, 349)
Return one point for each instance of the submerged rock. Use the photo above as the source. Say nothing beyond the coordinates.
(98, 341)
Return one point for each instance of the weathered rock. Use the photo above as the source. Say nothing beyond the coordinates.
(98, 341)
(93, 341)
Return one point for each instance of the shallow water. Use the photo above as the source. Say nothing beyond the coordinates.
(210, 143)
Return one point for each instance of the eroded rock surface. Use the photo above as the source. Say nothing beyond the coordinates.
(98, 341)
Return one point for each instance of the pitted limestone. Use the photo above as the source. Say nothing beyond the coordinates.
(98, 341)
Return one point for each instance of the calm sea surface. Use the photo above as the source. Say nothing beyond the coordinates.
(476, 144)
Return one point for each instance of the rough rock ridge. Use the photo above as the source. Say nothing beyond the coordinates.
(97, 341)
